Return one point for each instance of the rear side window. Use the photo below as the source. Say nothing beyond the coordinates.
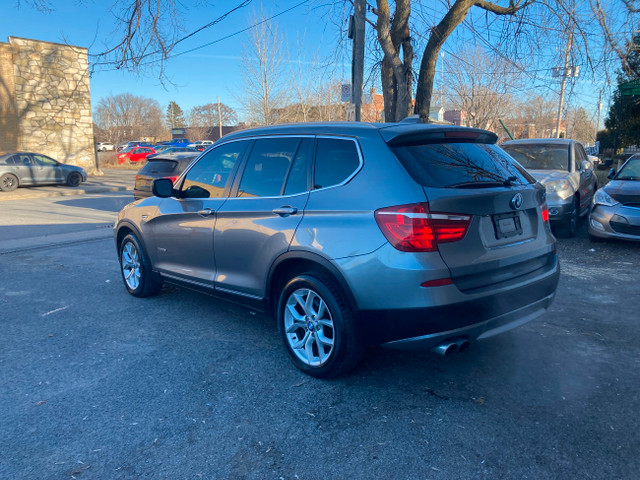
(463, 165)
(161, 167)
(336, 160)
(267, 167)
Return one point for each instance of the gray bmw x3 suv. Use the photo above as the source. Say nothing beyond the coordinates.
(351, 235)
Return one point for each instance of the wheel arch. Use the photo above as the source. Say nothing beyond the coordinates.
(290, 264)
(124, 229)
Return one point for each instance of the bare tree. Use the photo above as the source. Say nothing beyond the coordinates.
(396, 73)
(203, 117)
(263, 73)
(579, 125)
(126, 116)
(481, 86)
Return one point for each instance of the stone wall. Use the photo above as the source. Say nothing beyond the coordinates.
(52, 100)
(9, 127)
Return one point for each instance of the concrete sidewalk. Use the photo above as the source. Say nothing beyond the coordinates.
(113, 180)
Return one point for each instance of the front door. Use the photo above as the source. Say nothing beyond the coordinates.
(181, 237)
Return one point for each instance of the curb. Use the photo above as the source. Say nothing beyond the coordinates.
(23, 195)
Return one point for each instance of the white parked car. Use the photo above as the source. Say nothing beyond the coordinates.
(106, 146)
(201, 144)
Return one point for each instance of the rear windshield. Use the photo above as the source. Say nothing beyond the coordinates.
(540, 157)
(461, 165)
(160, 166)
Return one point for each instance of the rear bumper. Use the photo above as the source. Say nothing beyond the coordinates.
(475, 319)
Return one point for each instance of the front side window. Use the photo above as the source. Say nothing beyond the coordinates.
(208, 178)
(267, 167)
(336, 160)
(42, 160)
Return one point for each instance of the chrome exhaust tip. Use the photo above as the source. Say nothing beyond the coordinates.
(446, 348)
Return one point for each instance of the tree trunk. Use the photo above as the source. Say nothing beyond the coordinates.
(396, 74)
(454, 17)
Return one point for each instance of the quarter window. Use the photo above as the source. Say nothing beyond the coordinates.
(208, 178)
(336, 160)
(267, 167)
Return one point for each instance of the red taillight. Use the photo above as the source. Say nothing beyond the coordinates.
(173, 179)
(545, 212)
(413, 228)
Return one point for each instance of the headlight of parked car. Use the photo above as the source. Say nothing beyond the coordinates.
(603, 198)
(557, 186)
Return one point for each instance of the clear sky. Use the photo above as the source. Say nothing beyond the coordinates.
(195, 78)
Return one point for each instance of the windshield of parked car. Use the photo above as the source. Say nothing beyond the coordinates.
(630, 170)
(461, 165)
(540, 156)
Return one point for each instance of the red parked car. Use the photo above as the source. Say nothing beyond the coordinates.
(134, 154)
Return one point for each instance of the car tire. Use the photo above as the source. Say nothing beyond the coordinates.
(569, 230)
(139, 278)
(8, 182)
(317, 327)
(74, 179)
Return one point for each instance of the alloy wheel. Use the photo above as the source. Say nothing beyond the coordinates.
(309, 327)
(130, 262)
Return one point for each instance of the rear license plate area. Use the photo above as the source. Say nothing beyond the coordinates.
(507, 225)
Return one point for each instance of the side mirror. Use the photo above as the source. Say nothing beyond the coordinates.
(162, 187)
(586, 165)
(612, 173)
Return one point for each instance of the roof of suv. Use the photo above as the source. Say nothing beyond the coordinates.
(390, 132)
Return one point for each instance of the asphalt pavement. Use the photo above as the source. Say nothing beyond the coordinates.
(111, 180)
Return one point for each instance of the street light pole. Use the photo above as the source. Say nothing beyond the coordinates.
(357, 77)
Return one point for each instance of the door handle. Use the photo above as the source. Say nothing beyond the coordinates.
(285, 211)
(205, 212)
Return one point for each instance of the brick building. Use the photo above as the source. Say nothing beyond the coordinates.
(45, 102)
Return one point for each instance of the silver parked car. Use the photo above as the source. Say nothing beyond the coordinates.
(563, 167)
(351, 235)
(25, 169)
(616, 206)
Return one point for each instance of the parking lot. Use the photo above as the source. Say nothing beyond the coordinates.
(98, 384)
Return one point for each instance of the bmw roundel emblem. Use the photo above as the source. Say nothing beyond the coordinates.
(516, 201)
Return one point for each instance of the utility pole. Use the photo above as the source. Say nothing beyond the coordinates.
(357, 66)
(219, 118)
(565, 72)
(595, 136)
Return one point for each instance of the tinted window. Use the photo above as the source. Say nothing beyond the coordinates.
(160, 167)
(336, 160)
(297, 180)
(267, 167)
(208, 178)
(540, 156)
(460, 164)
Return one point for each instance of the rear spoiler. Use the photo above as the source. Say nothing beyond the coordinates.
(407, 134)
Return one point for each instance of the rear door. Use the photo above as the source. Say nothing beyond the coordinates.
(259, 220)
(506, 235)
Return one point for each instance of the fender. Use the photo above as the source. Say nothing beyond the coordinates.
(314, 258)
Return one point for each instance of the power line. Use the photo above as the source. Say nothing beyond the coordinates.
(204, 27)
(226, 37)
